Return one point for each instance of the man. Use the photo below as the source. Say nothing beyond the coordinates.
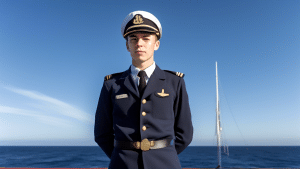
(143, 118)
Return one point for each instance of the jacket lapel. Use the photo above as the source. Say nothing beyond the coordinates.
(129, 84)
(156, 81)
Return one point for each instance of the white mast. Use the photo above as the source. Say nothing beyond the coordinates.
(218, 125)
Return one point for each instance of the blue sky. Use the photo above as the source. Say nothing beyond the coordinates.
(54, 56)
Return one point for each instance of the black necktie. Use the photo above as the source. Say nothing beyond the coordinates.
(142, 74)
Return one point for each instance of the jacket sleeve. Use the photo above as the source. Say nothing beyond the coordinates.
(183, 121)
(103, 131)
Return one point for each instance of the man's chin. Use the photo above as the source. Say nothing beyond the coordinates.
(140, 58)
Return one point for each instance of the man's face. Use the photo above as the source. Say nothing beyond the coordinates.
(141, 46)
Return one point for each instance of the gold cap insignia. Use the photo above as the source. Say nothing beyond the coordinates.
(163, 94)
(138, 19)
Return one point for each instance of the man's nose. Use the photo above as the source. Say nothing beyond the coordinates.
(139, 42)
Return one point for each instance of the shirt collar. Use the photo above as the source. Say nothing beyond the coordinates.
(149, 70)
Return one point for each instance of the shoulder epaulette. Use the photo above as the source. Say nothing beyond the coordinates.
(176, 73)
(111, 76)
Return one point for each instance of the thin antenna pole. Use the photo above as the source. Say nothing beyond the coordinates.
(218, 118)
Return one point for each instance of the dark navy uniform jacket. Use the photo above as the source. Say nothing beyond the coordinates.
(120, 116)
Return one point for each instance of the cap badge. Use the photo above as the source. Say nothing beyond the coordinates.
(138, 20)
(163, 94)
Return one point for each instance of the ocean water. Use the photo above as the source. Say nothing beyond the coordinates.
(192, 157)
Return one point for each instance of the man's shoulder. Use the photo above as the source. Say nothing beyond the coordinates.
(175, 74)
(113, 76)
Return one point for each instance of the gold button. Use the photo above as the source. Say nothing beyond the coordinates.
(144, 113)
(144, 101)
(144, 128)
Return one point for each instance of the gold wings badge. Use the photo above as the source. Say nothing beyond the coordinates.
(163, 94)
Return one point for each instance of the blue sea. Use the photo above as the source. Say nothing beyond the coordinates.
(192, 157)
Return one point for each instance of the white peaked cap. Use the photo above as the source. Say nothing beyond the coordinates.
(151, 24)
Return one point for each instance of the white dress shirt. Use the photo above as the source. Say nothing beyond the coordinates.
(134, 73)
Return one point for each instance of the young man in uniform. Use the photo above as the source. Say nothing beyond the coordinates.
(143, 118)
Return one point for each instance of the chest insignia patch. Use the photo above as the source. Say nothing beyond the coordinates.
(163, 94)
(121, 96)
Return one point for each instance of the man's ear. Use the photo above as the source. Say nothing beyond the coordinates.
(157, 43)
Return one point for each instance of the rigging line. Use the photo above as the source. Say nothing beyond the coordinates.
(231, 112)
